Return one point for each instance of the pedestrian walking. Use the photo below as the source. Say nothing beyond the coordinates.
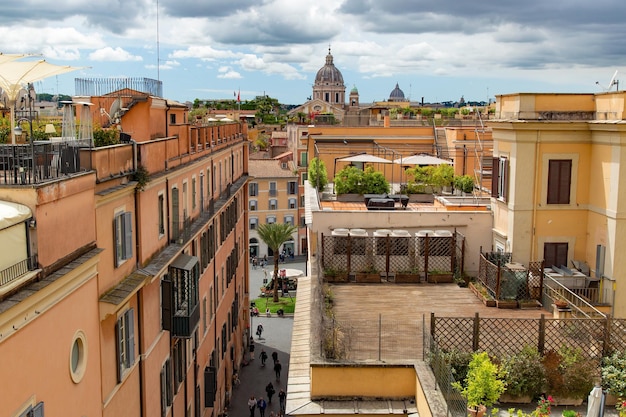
(259, 331)
(251, 348)
(282, 401)
(263, 357)
(261, 404)
(274, 357)
(277, 368)
(252, 405)
(269, 389)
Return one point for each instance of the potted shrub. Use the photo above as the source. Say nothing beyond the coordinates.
(570, 375)
(482, 386)
(524, 376)
(614, 376)
(482, 293)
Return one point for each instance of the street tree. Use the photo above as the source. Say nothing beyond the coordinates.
(274, 235)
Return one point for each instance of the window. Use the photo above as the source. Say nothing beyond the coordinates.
(253, 223)
(123, 237)
(125, 333)
(302, 221)
(78, 357)
(304, 159)
(292, 203)
(305, 176)
(172, 119)
(499, 178)
(253, 205)
(34, 411)
(555, 253)
(204, 322)
(559, 181)
(302, 200)
(273, 204)
(166, 387)
(273, 191)
(253, 189)
(161, 209)
(193, 193)
(289, 220)
(271, 219)
(292, 187)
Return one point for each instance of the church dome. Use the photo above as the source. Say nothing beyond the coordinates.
(397, 94)
(354, 90)
(329, 74)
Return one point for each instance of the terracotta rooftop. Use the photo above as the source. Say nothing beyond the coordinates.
(270, 168)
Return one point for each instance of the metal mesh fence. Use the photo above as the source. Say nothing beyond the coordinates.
(444, 375)
(380, 338)
(508, 281)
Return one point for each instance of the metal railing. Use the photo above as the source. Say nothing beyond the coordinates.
(15, 271)
(554, 290)
(444, 375)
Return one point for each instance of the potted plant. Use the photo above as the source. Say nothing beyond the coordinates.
(410, 275)
(614, 376)
(482, 386)
(524, 376)
(570, 375)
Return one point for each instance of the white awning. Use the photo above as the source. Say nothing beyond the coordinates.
(13, 213)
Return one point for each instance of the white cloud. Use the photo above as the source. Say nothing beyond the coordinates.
(113, 54)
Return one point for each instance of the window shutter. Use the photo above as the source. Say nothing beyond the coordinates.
(38, 410)
(168, 381)
(130, 338)
(116, 239)
(505, 180)
(163, 392)
(128, 235)
(166, 304)
(494, 177)
(118, 351)
(565, 181)
(209, 386)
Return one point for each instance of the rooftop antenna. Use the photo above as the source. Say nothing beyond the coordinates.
(157, 41)
(614, 82)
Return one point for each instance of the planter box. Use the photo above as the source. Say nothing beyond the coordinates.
(350, 198)
(440, 278)
(402, 278)
(421, 198)
(530, 305)
(489, 302)
(567, 401)
(370, 278)
(336, 278)
(506, 303)
(515, 399)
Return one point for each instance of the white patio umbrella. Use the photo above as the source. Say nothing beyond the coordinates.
(421, 159)
(365, 158)
(15, 75)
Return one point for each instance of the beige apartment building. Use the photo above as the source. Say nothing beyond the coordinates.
(274, 198)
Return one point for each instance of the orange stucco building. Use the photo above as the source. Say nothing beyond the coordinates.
(127, 290)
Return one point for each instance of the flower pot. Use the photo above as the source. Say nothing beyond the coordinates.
(506, 303)
(440, 278)
(480, 412)
(369, 277)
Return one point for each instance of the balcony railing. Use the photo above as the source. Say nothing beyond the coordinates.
(15, 271)
(184, 325)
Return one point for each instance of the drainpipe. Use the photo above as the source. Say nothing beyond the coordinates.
(167, 111)
(534, 236)
(167, 208)
(140, 343)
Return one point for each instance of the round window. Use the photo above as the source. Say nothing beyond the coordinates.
(78, 356)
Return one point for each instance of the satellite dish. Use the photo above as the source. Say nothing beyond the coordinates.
(115, 111)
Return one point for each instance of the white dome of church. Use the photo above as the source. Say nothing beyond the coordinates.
(329, 74)
(397, 94)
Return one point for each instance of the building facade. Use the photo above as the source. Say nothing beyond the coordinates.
(130, 292)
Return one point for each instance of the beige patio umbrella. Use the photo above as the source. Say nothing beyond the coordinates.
(15, 75)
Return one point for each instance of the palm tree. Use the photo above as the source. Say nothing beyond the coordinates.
(274, 235)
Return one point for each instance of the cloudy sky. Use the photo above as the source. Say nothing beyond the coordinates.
(438, 50)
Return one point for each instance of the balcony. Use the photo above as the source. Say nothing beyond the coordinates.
(18, 274)
(185, 322)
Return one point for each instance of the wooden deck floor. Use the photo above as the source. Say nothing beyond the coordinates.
(389, 321)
